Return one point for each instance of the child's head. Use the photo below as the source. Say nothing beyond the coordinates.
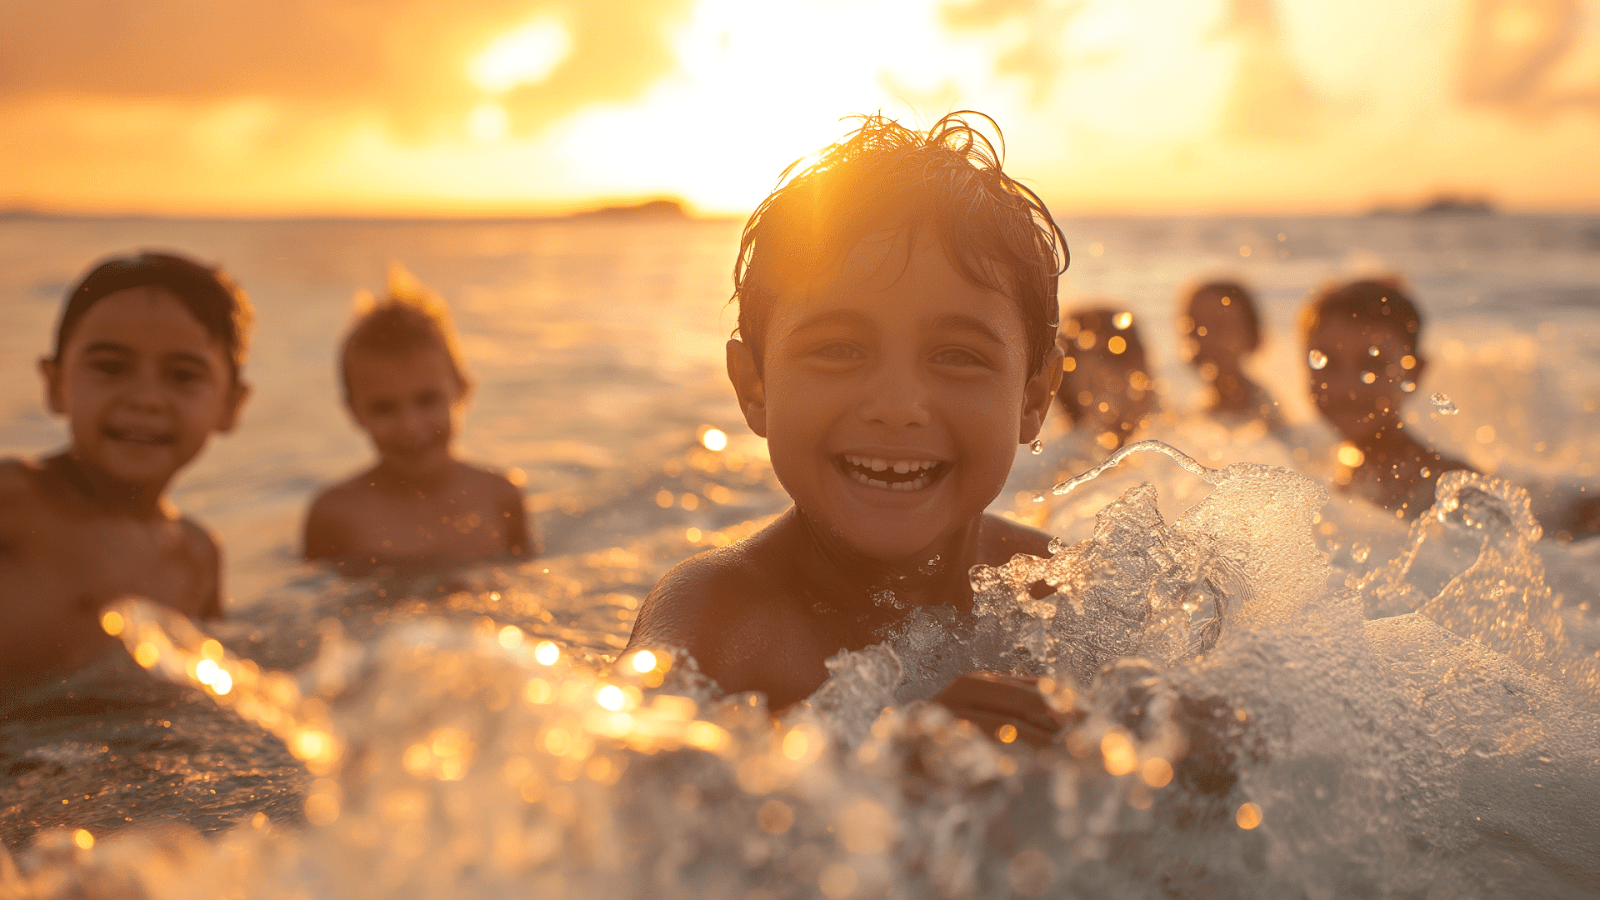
(403, 380)
(1362, 348)
(147, 363)
(893, 300)
(1107, 385)
(209, 295)
(1218, 327)
(884, 179)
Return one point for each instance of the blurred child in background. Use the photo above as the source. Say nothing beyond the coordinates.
(1219, 329)
(1106, 388)
(1363, 348)
(146, 367)
(405, 387)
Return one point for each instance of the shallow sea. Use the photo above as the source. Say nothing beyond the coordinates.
(596, 346)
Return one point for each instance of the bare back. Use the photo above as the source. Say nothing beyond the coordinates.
(63, 557)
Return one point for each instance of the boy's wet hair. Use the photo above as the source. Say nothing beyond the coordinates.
(1087, 339)
(207, 293)
(885, 177)
(1381, 302)
(408, 318)
(1233, 295)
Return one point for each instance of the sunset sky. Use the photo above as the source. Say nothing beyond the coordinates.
(374, 107)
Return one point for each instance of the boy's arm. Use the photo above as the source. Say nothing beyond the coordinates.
(521, 539)
(208, 557)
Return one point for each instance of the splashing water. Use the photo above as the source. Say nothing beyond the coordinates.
(1317, 359)
(1239, 727)
(1037, 447)
(1442, 404)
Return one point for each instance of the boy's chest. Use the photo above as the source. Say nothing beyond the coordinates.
(63, 565)
(427, 527)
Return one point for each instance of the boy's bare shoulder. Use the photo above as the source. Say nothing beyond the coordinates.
(206, 552)
(332, 514)
(705, 593)
(201, 541)
(482, 482)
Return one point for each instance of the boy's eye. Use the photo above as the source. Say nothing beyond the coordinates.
(185, 375)
(108, 365)
(381, 407)
(958, 356)
(429, 399)
(838, 351)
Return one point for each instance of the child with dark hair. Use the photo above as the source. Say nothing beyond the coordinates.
(896, 342)
(405, 387)
(1219, 329)
(146, 367)
(1363, 348)
(1106, 390)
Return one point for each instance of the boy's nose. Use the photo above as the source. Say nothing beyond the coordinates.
(145, 391)
(413, 422)
(895, 398)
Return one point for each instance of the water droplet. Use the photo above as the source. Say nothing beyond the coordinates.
(1037, 447)
(1122, 320)
(1368, 377)
(1057, 545)
(1359, 552)
(1372, 351)
(1317, 358)
(1442, 404)
(1039, 497)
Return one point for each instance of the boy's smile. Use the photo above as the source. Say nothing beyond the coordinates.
(893, 396)
(143, 384)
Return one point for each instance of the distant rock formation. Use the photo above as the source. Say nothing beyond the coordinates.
(649, 209)
(1442, 205)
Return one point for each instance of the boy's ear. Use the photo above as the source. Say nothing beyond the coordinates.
(237, 395)
(747, 384)
(50, 371)
(1037, 394)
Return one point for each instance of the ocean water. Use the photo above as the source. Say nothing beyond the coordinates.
(1391, 710)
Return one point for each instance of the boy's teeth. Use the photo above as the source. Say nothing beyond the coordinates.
(864, 467)
(900, 466)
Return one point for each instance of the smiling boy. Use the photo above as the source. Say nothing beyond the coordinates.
(145, 369)
(897, 319)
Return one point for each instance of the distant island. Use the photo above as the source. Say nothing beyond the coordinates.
(649, 209)
(1442, 205)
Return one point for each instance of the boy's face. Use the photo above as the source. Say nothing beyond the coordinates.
(1358, 390)
(142, 384)
(407, 403)
(893, 396)
(1098, 380)
(1216, 338)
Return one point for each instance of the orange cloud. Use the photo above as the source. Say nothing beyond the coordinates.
(406, 60)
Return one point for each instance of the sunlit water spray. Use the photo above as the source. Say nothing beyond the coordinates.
(1240, 728)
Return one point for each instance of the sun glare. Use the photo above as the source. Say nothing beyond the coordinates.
(488, 122)
(525, 56)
